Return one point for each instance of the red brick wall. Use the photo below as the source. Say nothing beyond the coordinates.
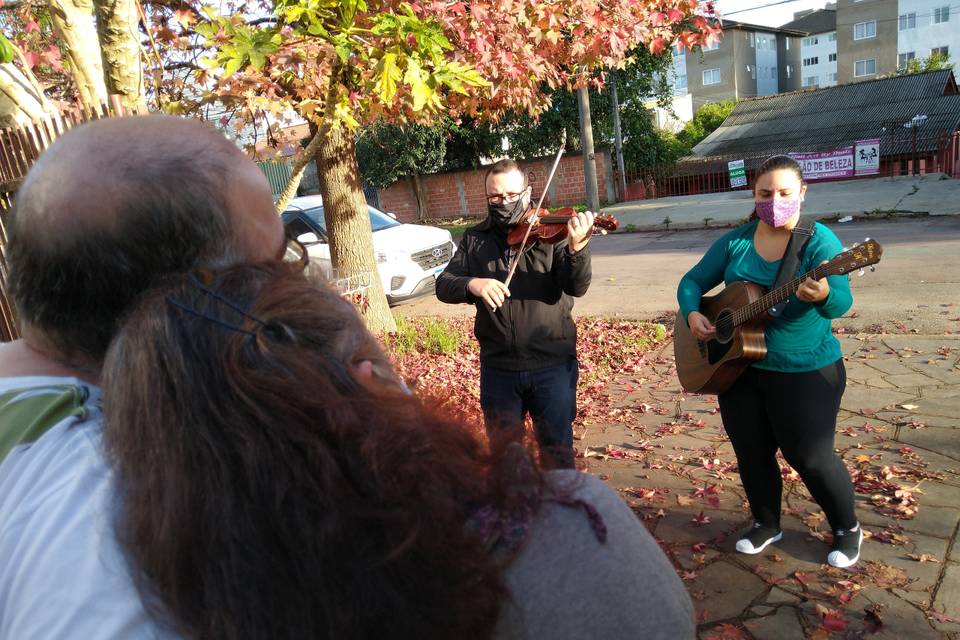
(442, 197)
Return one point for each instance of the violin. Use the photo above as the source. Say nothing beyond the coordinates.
(551, 226)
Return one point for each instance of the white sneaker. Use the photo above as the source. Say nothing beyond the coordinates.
(758, 538)
(845, 550)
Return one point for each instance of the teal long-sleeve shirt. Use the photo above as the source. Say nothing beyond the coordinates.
(801, 338)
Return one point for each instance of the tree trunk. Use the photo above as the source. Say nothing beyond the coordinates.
(20, 99)
(348, 223)
(73, 20)
(421, 198)
(118, 30)
(586, 143)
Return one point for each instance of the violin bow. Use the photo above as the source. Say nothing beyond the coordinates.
(556, 162)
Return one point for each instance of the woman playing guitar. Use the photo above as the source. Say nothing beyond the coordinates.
(789, 399)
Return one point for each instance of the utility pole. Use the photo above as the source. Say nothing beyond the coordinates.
(586, 144)
(617, 135)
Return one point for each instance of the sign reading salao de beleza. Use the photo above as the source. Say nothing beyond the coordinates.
(738, 175)
(818, 165)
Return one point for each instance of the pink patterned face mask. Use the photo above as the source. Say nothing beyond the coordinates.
(778, 212)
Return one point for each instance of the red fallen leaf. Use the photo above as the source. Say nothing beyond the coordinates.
(804, 578)
(835, 622)
(688, 575)
(725, 632)
(700, 519)
(939, 617)
(905, 450)
(872, 618)
(868, 412)
(699, 547)
(715, 410)
(923, 557)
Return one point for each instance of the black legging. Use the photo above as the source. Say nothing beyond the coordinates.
(796, 413)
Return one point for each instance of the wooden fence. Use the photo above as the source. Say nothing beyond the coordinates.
(19, 149)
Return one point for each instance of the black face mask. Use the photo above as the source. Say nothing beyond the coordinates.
(503, 213)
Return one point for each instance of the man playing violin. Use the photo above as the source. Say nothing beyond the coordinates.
(528, 340)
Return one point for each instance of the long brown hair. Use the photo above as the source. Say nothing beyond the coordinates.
(267, 492)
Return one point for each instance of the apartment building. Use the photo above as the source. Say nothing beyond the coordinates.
(925, 28)
(866, 39)
(749, 61)
(818, 50)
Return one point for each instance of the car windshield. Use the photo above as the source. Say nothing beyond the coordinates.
(378, 219)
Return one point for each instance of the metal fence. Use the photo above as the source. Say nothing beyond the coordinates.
(938, 152)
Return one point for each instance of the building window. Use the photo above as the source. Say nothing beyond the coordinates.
(807, 62)
(832, 77)
(712, 47)
(679, 51)
(752, 37)
(753, 72)
(832, 57)
(789, 70)
(810, 81)
(864, 30)
(904, 58)
(865, 67)
(941, 14)
(940, 51)
(681, 83)
(809, 42)
(908, 21)
(773, 72)
(711, 76)
(832, 37)
(787, 43)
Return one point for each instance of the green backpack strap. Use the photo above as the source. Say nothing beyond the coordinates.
(28, 413)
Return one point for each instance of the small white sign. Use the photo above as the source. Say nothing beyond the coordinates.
(866, 157)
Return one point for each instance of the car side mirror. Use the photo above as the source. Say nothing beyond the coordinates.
(309, 238)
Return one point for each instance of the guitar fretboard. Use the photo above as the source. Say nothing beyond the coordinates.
(778, 295)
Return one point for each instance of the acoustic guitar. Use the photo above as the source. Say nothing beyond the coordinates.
(739, 313)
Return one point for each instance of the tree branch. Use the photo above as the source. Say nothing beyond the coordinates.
(308, 152)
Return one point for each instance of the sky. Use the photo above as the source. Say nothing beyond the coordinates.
(771, 16)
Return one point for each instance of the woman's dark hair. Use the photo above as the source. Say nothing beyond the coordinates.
(270, 492)
(775, 163)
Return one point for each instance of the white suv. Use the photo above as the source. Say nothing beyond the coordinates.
(409, 256)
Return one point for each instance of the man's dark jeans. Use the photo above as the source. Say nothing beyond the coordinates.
(548, 395)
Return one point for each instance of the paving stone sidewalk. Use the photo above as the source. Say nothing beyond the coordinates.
(898, 433)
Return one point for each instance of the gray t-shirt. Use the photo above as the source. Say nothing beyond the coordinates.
(566, 583)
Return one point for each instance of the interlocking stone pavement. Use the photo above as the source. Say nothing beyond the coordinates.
(897, 431)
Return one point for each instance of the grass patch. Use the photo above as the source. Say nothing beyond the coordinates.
(441, 338)
(404, 341)
(425, 336)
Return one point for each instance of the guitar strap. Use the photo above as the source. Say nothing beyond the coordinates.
(791, 260)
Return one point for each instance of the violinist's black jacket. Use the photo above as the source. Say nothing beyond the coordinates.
(534, 328)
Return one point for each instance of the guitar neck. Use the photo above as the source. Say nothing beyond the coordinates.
(778, 295)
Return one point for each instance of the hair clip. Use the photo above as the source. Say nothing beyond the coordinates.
(217, 321)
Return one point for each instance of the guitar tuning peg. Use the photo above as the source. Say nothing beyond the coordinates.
(866, 239)
(860, 273)
(873, 268)
(856, 244)
(845, 248)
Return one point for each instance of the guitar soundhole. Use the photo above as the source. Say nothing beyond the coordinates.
(718, 346)
(724, 325)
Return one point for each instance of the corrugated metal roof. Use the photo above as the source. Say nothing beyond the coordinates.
(822, 119)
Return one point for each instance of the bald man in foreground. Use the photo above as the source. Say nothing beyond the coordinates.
(109, 209)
